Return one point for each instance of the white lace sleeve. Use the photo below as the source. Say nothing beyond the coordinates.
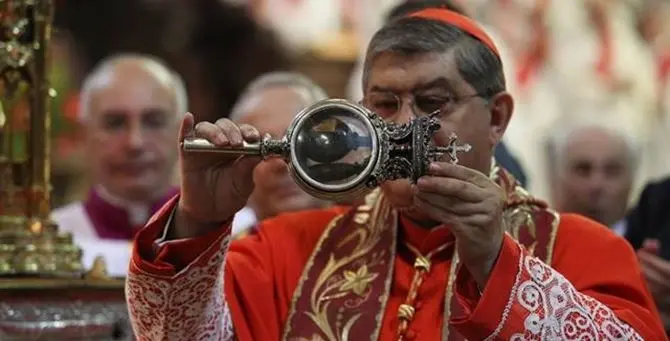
(544, 305)
(188, 306)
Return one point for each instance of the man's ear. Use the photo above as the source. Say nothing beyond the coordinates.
(501, 107)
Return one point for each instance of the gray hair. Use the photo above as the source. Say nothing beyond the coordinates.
(308, 91)
(476, 63)
(101, 74)
(561, 136)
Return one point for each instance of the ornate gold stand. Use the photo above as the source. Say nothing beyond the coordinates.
(29, 241)
(44, 292)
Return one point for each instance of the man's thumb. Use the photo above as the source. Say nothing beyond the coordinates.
(186, 127)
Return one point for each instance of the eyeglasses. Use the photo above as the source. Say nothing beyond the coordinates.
(388, 104)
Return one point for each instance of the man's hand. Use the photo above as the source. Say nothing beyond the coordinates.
(471, 204)
(656, 271)
(213, 186)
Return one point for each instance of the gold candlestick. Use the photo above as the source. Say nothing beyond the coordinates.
(44, 292)
(29, 241)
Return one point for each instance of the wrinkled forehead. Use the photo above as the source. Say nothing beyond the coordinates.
(398, 72)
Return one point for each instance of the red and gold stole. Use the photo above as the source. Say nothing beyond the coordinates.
(346, 283)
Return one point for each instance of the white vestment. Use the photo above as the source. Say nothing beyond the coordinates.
(74, 219)
(116, 253)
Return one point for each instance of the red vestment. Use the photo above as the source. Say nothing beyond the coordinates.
(593, 289)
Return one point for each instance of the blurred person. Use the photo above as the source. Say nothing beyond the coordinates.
(465, 253)
(602, 67)
(270, 104)
(648, 230)
(503, 154)
(592, 170)
(130, 109)
(208, 42)
(574, 56)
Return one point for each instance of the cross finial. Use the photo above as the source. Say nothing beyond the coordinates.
(453, 148)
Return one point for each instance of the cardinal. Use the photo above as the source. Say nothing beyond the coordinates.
(463, 253)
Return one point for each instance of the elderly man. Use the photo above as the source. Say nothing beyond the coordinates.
(592, 169)
(130, 106)
(463, 254)
(503, 154)
(270, 103)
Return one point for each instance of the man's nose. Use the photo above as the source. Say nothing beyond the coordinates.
(135, 138)
(405, 114)
(597, 183)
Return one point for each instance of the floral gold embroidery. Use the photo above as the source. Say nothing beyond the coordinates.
(346, 279)
(338, 295)
(357, 281)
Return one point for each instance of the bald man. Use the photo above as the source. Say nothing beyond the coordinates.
(270, 103)
(130, 108)
(592, 170)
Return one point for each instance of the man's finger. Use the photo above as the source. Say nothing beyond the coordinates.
(451, 187)
(452, 205)
(463, 173)
(481, 219)
(211, 133)
(659, 264)
(657, 282)
(249, 133)
(186, 127)
(433, 211)
(231, 130)
(654, 282)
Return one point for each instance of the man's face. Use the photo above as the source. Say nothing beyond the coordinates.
(131, 126)
(426, 79)
(271, 111)
(594, 176)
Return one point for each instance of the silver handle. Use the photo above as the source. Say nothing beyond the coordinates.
(192, 144)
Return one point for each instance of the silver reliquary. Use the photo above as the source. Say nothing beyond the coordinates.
(336, 149)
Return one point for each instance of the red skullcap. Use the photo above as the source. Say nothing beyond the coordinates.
(460, 21)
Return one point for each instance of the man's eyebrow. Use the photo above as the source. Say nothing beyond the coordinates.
(440, 82)
(113, 112)
(377, 88)
(154, 110)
